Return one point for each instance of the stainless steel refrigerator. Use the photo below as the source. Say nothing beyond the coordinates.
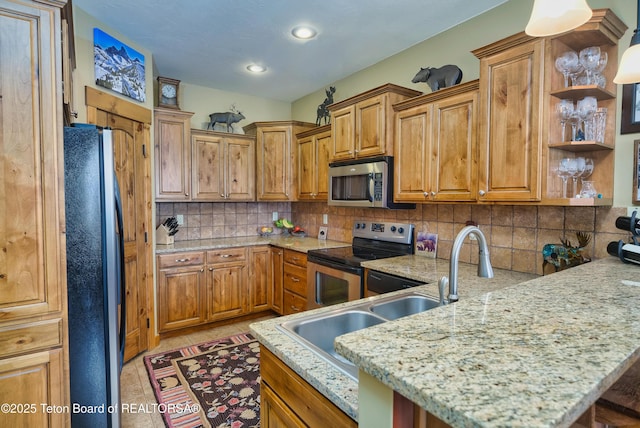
(95, 278)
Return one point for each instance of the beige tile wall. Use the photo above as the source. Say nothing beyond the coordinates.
(516, 234)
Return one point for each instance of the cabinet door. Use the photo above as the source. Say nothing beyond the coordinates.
(207, 160)
(226, 291)
(240, 170)
(276, 283)
(31, 276)
(412, 153)
(343, 131)
(274, 163)
(31, 381)
(172, 160)
(259, 278)
(323, 156)
(274, 413)
(306, 167)
(454, 144)
(371, 126)
(510, 123)
(180, 297)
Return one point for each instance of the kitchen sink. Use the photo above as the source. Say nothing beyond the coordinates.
(318, 331)
(404, 306)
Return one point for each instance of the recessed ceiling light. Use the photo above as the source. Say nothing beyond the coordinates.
(255, 68)
(304, 32)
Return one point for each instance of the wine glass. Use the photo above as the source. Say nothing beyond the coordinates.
(565, 63)
(564, 172)
(585, 110)
(580, 165)
(598, 78)
(565, 109)
(590, 58)
(588, 169)
(587, 190)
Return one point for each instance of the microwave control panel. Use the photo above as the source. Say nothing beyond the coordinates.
(377, 186)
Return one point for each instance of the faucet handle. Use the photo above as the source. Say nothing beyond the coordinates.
(442, 285)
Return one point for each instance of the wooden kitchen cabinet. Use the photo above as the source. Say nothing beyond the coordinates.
(33, 291)
(294, 282)
(181, 290)
(313, 163)
(363, 125)
(172, 154)
(276, 158)
(222, 166)
(289, 401)
(276, 284)
(227, 283)
(520, 143)
(436, 143)
(259, 278)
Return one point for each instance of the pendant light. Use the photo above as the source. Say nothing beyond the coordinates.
(629, 69)
(550, 17)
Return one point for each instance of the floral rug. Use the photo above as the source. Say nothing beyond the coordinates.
(214, 384)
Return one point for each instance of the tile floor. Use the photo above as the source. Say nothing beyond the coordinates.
(136, 388)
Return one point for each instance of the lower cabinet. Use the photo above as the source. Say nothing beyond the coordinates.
(259, 278)
(287, 400)
(276, 287)
(294, 282)
(227, 283)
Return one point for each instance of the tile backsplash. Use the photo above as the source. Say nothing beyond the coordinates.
(516, 234)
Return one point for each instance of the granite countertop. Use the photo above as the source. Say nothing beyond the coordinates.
(341, 389)
(292, 242)
(535, 354)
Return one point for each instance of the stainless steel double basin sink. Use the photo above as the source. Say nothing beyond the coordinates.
(318, 331)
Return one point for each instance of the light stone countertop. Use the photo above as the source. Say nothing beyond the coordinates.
(292, 242)
(535, 354)
(341, 389)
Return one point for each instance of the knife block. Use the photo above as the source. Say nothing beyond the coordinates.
(162, 236)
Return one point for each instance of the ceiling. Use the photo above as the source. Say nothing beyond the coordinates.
(210, 42)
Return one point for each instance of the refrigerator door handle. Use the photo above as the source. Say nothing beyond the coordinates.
(122, 278)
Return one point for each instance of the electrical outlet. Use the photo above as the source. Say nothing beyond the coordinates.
(274, 216)
(322, 232)
(325, 218)
(180, 219)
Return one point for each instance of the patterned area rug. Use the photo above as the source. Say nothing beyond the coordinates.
(213, 384)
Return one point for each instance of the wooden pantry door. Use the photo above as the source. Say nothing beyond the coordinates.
(131, 136)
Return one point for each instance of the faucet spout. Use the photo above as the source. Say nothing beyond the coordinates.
(484, 264)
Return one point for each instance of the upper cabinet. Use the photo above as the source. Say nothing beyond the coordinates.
(363, 125)
(33, 291)
(435, 146)
(520, 143)
(276, 158)
(172, 154)
(222, 166)
(313, 163)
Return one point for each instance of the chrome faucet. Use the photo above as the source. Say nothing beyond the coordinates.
(484, 264)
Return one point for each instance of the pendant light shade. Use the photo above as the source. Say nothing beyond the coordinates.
(629, 68)
(550, 17)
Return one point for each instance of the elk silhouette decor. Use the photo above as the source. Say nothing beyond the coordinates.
(323, 111)
(228, 118)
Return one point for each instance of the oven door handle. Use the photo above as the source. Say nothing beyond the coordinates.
(370, 188)
(356, 270)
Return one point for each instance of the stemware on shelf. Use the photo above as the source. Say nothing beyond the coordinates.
(565, 109)
(585, 109)
(598, 78)
(566, 169)
(567, 64)
(599, 124)
(578, 170)
(590, 59)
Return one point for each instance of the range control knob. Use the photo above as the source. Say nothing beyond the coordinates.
(393, 228)
(357, 225)
(401, 230)
(362, 225)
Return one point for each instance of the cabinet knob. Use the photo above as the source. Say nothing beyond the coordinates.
(210, 269)
(433, 193)
(482, 193)
(186, 194)
(426, 194)
(202, 270)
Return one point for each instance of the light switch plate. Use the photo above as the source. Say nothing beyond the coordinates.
(322, 233)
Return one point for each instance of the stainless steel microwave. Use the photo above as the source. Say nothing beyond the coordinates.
(363, 183)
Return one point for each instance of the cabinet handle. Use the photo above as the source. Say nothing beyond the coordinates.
(224, 256)
(295, 279)
(482, 193)
(182, 260)
(295, 308)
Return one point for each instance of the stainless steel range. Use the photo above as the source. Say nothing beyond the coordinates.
(334, 275)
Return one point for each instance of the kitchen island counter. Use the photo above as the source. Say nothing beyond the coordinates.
(341, 389)
(535, 354)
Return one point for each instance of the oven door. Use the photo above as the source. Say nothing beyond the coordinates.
(330, 283)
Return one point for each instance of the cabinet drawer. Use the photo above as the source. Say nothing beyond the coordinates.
(295, 279)
(293, 303)
(21, 338)
(225, 255)
(295, 258)
(180, 259)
